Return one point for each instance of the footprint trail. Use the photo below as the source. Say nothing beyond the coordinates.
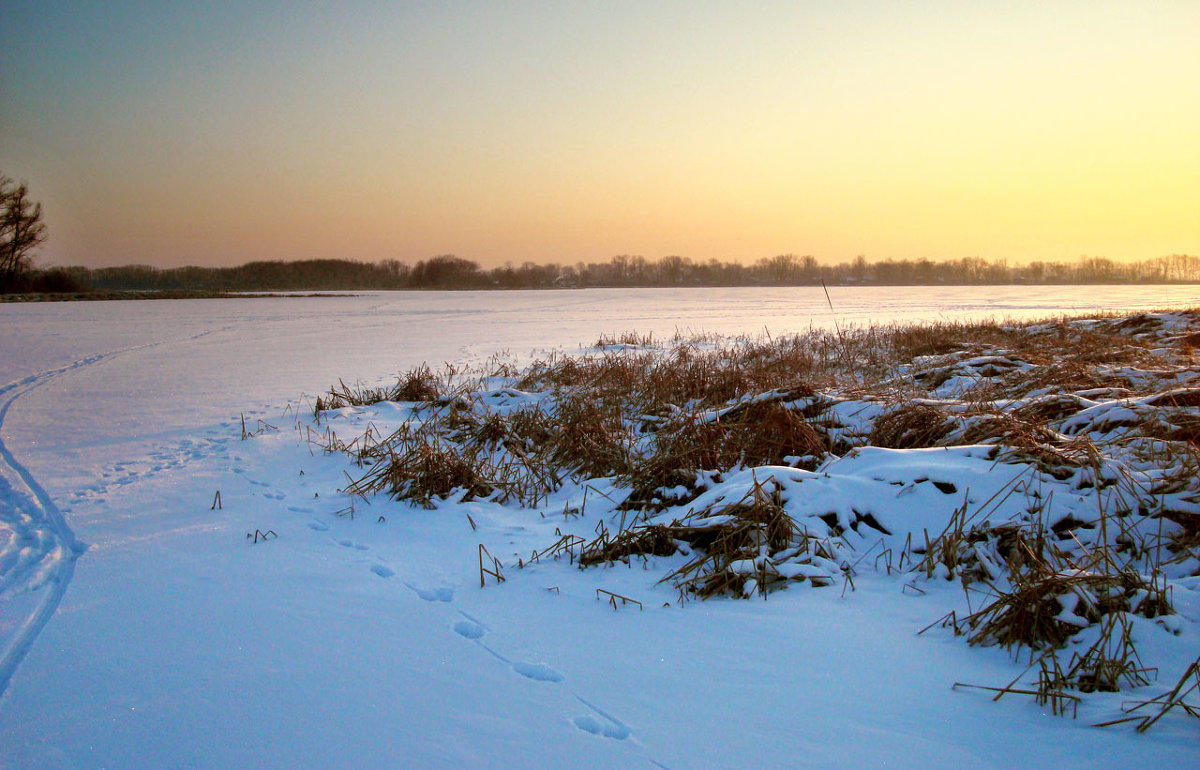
(597, 722)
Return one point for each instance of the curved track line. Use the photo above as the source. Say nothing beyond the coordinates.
(46, 513)
(39, 501)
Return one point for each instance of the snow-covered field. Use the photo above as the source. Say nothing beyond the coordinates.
(348, 641)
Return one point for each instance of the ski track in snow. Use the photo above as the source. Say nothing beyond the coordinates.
(41, 548)
(38, 549)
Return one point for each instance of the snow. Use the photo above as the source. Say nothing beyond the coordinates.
(364, 638)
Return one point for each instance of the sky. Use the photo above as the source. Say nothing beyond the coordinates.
(223, 132)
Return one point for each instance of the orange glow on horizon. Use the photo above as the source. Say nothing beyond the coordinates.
(565, 135)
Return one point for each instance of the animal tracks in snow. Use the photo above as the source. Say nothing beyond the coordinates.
(469, 629)
(537, 671)
(164, 459)
(442, 594)
(601, 723)
(557, 695)
(552, 683)
(607, 729)
(598, 722)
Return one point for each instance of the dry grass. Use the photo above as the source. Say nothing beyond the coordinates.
(422, 468)
(589, 438)
(667, 420)
(650, 540)
(660, 415)
(913, 425)
(735, 552)
(740, 549)
(419, 384)
(1175, 698)
(750, 434)
(1044, 609)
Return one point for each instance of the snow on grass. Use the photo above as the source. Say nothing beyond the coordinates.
(1065, 519)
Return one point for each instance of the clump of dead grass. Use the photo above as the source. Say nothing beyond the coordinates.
(913, 425)
(589, 438)
(740, 549)
(1045, 608)
(750, 434)
(1175, 698)
(736, 545)
(418, 385)
(421, 468)
(646, 540)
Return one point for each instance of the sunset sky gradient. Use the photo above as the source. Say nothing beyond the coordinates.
(219, 133)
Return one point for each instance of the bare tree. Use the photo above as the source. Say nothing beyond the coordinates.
(21, 231)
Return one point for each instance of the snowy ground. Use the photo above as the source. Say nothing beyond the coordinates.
(346, 641)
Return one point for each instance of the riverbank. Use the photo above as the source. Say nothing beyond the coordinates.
(1039, 479)
(110, 296)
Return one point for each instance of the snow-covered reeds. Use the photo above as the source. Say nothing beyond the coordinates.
(1052, 469)
(910, 425)
(419, 384)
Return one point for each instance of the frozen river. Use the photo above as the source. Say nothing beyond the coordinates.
(176, 364)
(303, 342)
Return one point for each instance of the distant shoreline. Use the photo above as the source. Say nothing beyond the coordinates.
(447, 272)
(167, 294)
(104, 296)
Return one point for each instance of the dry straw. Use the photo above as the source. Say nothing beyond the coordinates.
(1075, 402)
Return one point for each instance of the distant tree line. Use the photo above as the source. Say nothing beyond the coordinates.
(450, 272)
(22, 232)
(307, 275)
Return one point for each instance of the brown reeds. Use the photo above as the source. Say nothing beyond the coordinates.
(649, 540)
(740, 549)
(749, 434)
(417, 385)
(1044, 609)
(1175, 698)
(910, 426)
(748, 547)
(1102, 407)
(589, 438)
